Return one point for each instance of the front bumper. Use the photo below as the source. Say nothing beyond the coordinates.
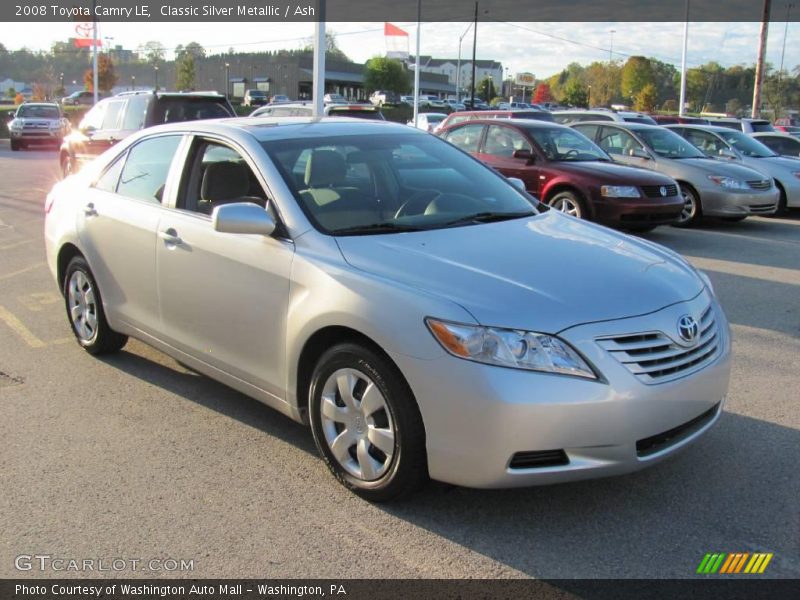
(637, 211)
(477, 417)
(37, 135)
(718, 202)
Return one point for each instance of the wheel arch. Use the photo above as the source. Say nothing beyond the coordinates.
(67, 252)
(568, 186)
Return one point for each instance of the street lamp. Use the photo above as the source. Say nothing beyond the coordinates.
(589, 97)
(611, 47)
(458, 67)
(227, 80)
(155, 68)
(133, 82)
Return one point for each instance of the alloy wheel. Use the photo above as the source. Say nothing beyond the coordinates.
(82, 306)
(357, 424)
(567, 205)
(689, 206)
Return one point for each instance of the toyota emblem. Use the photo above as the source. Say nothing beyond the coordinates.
(663, 190)
(688, 328)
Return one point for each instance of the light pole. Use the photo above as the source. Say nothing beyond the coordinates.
(458, 67)
(227, 80)
(133, 82)
(589, 97)
(789, 7)
(611, 47)
(155, 69)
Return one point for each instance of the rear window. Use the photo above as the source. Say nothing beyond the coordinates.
(537, 116)
(761, 126)
(356, 112)
(644, 120)
(172, 110)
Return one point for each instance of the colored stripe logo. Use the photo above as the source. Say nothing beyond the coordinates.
(735, 562)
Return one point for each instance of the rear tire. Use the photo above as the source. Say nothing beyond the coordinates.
(15, 145)
(692, 208)
(85, 311)
(366, 423)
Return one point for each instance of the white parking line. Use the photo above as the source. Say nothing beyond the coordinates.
(21, 271)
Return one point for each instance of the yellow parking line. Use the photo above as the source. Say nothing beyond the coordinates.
(17, 327)
(21, 271)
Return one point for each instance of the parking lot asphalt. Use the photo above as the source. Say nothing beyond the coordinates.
(133, 456)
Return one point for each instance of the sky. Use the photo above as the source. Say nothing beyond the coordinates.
(539, 48)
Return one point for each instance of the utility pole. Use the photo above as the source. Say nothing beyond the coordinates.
(681, 108)
(320, 45)
(474, 47)
(762, 50)
(789, 7)
(95, 76)
(416, 66)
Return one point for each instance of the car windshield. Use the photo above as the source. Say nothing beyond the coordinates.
(368, 184)
(746, 145)
(559, 144)
(258, 93)
(761, 126)
(668, 144)
(38, 112)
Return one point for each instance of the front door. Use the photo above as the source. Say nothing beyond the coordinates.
(498, 152)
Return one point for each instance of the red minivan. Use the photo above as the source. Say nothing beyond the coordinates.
(569, 172)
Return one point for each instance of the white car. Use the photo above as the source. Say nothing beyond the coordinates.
(429, 121)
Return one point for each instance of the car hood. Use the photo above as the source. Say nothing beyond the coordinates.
(711, 166)
(544, 273)
(612, 173)
(775, 165)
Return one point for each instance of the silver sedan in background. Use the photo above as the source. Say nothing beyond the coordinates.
(709, 187)
(377, 283)
(725, 144)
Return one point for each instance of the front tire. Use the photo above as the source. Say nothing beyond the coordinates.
(67, 165)
(366, 423)
(85, 311)
(569, 203)
(15, 145)
(692, 209)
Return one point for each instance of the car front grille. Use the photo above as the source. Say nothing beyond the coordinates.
(661, 441)
(762, 208)
(653, 357)
(36, 126)
(536, 459)
(762, 184)
(654, 191)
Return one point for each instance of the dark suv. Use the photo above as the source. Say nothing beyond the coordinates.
(115, 118)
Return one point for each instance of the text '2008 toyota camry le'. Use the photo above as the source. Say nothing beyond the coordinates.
(423, 315)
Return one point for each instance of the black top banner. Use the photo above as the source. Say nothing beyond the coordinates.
(221, 11)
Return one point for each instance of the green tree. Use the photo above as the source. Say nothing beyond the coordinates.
(381, 73)
(485, 89)
(153, 52)
(11, 93)
(647, 98)
(636, 74)
(575, 94)
(185, 72)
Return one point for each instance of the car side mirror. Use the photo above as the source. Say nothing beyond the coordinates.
(517, 183)
(242, 217)
(88, 129)
(639, 153)
(727, 153)
(525, 154)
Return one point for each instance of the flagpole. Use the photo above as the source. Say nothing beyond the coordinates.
(94, 53)
(320, 46)
(683, 61)
(416, 67)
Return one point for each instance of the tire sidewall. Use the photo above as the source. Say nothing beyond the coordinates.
(685, 189)
(573, 197)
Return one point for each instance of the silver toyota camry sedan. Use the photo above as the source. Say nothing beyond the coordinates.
(422, 314)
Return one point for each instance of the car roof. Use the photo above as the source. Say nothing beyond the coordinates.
(38, 104)
(780, 134)
(523, 123)
(622, 124)
(286, 128)
(701, 126)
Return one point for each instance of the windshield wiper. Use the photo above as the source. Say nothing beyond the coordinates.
(386, 227)
(488, 217)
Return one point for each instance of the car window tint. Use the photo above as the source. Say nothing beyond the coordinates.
(707, 142)
(503, 141)
(94, 118)
(111, 118)
(135, 113)
(466, 137)
(218, 175)
(145, 173)
(107, 182)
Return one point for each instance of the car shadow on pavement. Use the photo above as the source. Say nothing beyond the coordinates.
(214, 395)
(735, 490)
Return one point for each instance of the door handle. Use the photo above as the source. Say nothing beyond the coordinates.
(170, 236)
(89, 210)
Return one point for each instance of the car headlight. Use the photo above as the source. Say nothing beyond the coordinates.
(619, 191)
(510, 348)
(729, 182)
(15, 125)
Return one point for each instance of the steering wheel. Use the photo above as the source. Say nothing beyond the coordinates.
(417, 203)
(571, 152)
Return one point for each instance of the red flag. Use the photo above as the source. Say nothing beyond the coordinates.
(389, 29)
(396, 41)
(87, 42)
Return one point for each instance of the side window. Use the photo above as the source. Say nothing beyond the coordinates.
(135, 113)
(218, 175)
(107, 182)
(502, 141)
(94, 118)
(706, 142)
(145, 172)
(281, 111)
(466, 137)
(111, 118)
(616, 141)
(589, 131)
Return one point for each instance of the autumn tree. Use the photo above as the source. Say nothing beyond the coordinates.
(106, 75)
(381, 73)
(646, 99)
(636, 74)
(542, 94)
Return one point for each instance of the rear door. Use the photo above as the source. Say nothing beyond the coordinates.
(117, 227)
